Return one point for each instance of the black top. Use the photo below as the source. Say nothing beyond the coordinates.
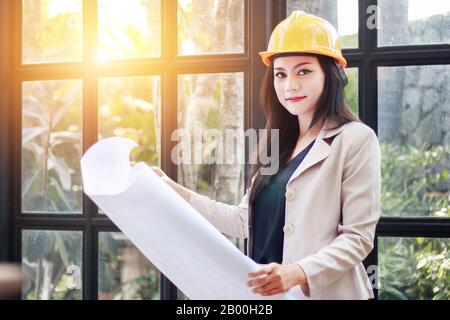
(269, 212)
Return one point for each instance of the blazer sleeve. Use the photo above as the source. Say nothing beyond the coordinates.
(229, 219)
(360, 205)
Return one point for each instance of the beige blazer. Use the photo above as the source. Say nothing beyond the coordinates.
(332, 208)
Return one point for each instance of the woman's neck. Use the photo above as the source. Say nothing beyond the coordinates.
(305, 131)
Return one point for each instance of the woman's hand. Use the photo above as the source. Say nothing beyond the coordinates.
(162, 175)
(278, 278)
(182, 191)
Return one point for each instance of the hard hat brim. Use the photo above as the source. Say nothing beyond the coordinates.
(266, 55)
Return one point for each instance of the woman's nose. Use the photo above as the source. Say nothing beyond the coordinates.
(292, 84)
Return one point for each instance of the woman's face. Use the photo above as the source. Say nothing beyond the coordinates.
(298, 82)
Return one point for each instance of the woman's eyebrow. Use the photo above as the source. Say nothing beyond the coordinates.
(296, 66)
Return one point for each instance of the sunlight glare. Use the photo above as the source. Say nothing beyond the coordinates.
(120, 25)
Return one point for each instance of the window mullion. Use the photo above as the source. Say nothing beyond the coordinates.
(5, 83)
(168, 108)
(367, 83)
(89, 132)
(368, 72)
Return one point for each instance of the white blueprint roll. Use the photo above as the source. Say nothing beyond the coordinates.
(182, 244)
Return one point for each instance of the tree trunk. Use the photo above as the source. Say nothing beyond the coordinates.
(326, 9)
(389, 120)
(133, 267)
(227, 185)
(200, 100)
(194, 114)
(47, 272)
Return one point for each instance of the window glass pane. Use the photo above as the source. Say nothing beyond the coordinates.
(52, 31)
(129, 107)
(342, 14)
(206, 27)
(351, 89)
(414, 268)
(51, 146)
(211, 120)
(52, 265)
(414, 133)
(129, 29)
(211, 101)
(124, 272)
(413, 22)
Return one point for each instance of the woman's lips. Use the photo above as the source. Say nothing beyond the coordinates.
(296, 99)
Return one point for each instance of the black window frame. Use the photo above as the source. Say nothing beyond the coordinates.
(261, 16)
(374, 57)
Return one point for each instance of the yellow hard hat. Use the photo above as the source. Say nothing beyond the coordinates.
(303, 32)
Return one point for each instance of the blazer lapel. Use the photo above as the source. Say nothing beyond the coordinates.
(319, 150)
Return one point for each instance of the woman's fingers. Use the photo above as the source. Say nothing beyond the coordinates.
(259, 282)
(266, 288)
(271, 292)
(158, 171)
(266, 269)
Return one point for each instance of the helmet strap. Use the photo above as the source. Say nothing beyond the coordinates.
(342, 74)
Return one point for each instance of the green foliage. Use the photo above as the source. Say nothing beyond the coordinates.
(51, 146)
(130, 109)
(147, 287)
(415, 182)
(351, 90)
(349, 41)
(49, 260)
(69, 42)
(112, 260)
(48, 38)
(414, 268)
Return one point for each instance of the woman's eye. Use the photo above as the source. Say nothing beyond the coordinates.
(304, 72)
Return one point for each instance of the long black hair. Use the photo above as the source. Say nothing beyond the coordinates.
(331, 105)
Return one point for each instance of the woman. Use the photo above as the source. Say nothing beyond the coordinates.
(313, 222)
